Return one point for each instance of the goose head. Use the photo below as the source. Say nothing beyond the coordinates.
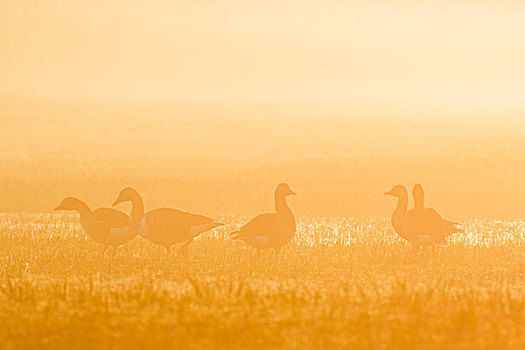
(397, 191)
(70, 203)
(284, 190)
(126, 195)
(417, 190)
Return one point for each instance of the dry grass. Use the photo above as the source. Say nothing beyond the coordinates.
(343, 283)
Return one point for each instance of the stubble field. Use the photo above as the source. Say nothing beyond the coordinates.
(342, 283)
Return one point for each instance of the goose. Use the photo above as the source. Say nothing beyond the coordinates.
(399, 215)
(419, 204)
(419, 226)
(104, 225)
(271, 230)
(164, 226)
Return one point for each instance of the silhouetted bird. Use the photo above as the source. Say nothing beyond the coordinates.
(420, 226)
(104, 225)
(271, 230)
(164, 226)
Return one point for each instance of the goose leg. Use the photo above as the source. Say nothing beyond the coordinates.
(105, 251)
(277, 251)
(255, 257)
(116, 254)
(184, 249)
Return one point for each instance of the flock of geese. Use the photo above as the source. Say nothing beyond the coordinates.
(167, 227)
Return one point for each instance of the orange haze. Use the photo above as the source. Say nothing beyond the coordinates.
(207, 105)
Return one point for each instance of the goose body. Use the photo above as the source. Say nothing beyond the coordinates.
(197, 223)
(420, 226)
(426, 225)
(420, 213)
(164, 226)
(104, 225)
(272, 230)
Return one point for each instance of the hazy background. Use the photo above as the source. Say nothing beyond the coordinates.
(207, 105)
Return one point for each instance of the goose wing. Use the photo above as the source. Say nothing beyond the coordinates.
(426, 222)
(97, 230)
(198, 223)
(261, 225)
(117, 230)
(452, 227)
(182, 216)
(165, 227)
(113, 217)
(119, 236)
(169, 227)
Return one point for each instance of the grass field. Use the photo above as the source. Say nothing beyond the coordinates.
(342, 283)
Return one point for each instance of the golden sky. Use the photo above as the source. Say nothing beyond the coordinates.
(406, 56)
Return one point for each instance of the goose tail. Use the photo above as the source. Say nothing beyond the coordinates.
(453, 223)
(453, 227)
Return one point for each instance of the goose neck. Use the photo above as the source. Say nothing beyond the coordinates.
(419, 201)
(83, 209)
(281, 207)
(402, 204)
(137, 211)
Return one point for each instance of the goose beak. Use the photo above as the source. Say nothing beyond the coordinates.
(292, 193)
(60, 207)
(388, 193)
(117, 201)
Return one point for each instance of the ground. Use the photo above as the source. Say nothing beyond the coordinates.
(342, 283)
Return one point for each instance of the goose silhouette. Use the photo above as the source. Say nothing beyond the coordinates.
(104, 225)
(420, 226)
(164, 226)
(271, 230)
